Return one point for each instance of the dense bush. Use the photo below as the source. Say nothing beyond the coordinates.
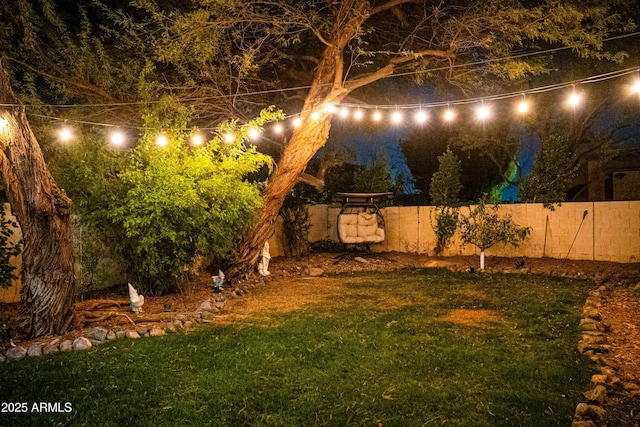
(159, 209)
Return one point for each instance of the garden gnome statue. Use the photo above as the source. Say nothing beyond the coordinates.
(218, 281)
(135, 301)
(263, 265)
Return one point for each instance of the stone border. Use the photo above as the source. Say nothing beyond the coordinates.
(595, 344)
(99, 334)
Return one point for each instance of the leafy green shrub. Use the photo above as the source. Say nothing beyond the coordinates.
(161, 208)
(445, 227)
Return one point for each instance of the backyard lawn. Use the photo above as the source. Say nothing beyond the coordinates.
(418, 347)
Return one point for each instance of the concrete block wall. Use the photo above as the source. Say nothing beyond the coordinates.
(608, 231)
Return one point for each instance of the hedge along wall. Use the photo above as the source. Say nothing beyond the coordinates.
(609, 231)
(12, 294)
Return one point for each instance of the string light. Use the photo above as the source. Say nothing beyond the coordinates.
(329, 108)
(197, 139)
(162, 140)
(117, 138)
(483, 112)
(448, 115)
(254, 133)
(574, 99)
(523, 106)
(229, 138)
(358, 112)
(65, 134)
(421, 116)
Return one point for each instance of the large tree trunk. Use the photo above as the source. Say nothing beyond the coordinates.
(328, 86)
(303, 145)
(43, 212)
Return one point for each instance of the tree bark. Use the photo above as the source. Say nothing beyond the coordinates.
(43, 212)
(327, 86)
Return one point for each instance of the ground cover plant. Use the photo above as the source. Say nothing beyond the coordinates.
(411, 348)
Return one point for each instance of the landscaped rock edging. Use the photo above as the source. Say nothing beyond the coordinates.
(99, 334)
(595, 345)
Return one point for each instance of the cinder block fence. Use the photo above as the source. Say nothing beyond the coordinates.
(601, 231)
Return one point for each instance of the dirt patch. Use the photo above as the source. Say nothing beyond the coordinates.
(281, 297)
(471, 292)
(480, 318)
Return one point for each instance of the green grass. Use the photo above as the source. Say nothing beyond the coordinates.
(380, 353)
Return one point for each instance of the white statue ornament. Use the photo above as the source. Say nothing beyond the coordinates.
(218, 281)
(135, 301)
(265, 256)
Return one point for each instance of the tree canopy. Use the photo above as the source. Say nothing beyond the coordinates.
(224, 60)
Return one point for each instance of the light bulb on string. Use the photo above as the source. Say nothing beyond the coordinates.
(65, 134)
(358, 114)
(523, 106)
(329, 108)
(483, 112)
(254, 133)
(377, 116)
(574, 99)
(344, 112)
(635, 89)
(197, 139)
(229, 138)
(162, 140)
(448, 115)
(117, 138)
(396, 117)
(297, 122)
(315, 116)
(277, 128)
(421, 116)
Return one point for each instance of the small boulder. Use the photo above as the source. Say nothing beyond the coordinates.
(205, 306)
(133, 335)
(81, 343)
(157, 332)
(597, 395)
(97, 333)
(111, 335)
(66, 345)
(588, 411)
(50, 348)
(2, 358)
(16, 353)
(34, 350)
